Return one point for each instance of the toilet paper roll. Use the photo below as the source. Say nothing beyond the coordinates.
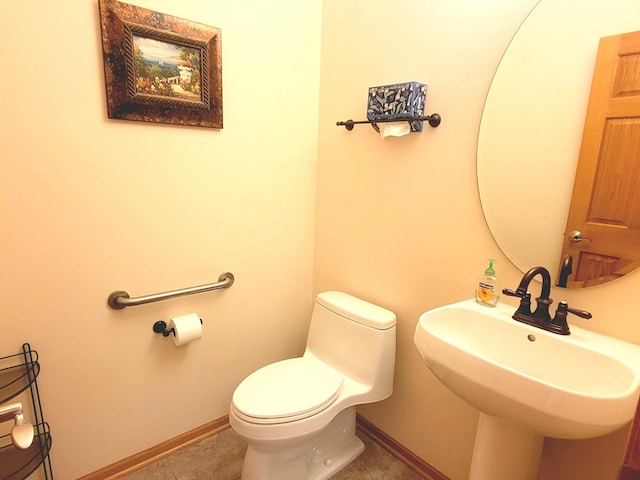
(186, 328)
(394, 129)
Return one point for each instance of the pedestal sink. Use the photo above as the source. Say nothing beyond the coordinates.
(527, 383)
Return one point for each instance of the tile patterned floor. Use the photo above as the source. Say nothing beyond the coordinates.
(220, 458)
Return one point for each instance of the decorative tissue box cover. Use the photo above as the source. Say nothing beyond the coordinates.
(398, 101)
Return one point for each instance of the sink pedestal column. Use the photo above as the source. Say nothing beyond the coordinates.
(504, 451)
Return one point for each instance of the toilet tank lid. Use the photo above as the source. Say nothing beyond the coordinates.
(357, 310)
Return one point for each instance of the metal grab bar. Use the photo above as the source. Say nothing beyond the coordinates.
(120, 299)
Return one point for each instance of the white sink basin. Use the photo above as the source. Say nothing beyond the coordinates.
(567, 386)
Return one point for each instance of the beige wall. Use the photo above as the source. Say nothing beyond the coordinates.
(399, 221)
(91, 205)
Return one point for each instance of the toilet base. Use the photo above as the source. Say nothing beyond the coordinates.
(317, 457)
(335, 462)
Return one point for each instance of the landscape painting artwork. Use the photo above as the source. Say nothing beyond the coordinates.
(163, 68)
(159, 68)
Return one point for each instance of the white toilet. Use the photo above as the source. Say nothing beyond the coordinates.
(298, 415)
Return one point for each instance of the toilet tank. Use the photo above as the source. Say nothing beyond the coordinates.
(355, 337)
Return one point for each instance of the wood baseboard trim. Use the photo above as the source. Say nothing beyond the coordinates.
(400, 452)
(164, 449)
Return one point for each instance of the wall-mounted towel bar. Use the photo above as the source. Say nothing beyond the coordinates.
(120, 299)
(434, 120)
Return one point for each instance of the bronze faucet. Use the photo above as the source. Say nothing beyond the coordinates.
(565, 270)
(540, 317)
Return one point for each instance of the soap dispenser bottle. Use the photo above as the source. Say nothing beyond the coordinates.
(488, 288)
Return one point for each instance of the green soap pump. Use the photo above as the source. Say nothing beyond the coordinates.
(488, 288)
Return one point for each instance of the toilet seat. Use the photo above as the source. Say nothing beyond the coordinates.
(286, 391)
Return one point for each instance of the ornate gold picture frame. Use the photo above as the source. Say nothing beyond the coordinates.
(160, 68)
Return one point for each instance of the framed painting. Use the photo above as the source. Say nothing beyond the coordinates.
(160, 68)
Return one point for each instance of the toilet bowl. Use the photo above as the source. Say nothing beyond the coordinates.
(298, 415)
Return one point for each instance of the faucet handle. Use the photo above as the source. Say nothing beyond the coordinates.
(579, 313)
(559, 322)
(563, 309)
(524, 309)
(520, 292)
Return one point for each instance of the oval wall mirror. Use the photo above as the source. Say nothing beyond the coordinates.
(532, 123)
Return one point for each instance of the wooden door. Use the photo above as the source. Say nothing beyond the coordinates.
(605, 206)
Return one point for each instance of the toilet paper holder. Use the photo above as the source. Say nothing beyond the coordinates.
(161, 327)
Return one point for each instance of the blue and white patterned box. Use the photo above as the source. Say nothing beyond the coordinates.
(399, 101)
